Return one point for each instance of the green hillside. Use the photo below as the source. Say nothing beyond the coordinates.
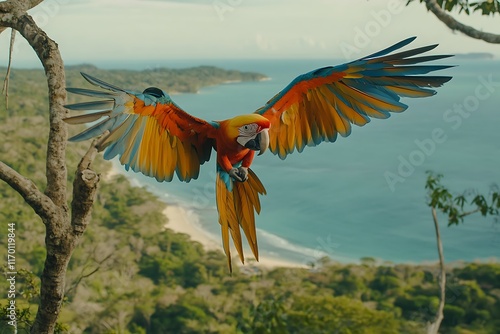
(131, 275)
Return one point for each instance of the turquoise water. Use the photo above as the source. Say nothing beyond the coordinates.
(335, 199)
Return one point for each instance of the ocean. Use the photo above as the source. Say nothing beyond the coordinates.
(362, 196)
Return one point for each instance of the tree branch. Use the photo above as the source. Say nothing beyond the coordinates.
(16, 6)
(433, 327)
(42, 205)
(467, 213)
(453, 24)
(84, 190)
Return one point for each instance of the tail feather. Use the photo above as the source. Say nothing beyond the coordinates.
(237, 203)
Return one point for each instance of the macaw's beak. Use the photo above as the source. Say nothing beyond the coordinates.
(260, 142)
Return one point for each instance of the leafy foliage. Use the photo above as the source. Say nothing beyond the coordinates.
(459, 206)
(487, 7)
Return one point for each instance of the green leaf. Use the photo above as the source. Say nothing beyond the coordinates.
(460, 201)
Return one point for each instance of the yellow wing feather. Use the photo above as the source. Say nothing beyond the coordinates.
(321, 104)
(148, 131)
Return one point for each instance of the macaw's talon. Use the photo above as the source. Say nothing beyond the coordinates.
(243, 172)
(238, 175)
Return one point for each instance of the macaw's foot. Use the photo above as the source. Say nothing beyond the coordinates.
(239, 174)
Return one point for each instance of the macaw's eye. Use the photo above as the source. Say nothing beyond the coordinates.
(156, 92)
(248, 129)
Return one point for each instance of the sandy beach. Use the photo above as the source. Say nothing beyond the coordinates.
(181, 220)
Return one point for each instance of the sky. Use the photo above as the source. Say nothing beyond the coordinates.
(93, 31)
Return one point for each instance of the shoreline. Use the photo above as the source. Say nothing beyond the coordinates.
(181, 220)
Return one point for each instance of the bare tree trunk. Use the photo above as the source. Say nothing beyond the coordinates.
(453, 24)
(62, 230)
(433, 327)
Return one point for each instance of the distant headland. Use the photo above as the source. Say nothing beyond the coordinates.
(475, 55)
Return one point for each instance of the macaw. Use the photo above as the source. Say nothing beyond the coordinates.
(151, 134)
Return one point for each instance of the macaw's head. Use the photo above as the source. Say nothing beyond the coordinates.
(251, 131)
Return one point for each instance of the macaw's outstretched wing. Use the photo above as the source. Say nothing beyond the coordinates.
(237, 203)
(149, 132)
(319, 105)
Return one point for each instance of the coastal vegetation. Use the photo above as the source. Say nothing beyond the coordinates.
(28, 88)
(131, 274)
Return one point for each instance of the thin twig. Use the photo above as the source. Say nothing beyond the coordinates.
(470, 212)
(7, 74)
(92, 272)
(42, 204)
